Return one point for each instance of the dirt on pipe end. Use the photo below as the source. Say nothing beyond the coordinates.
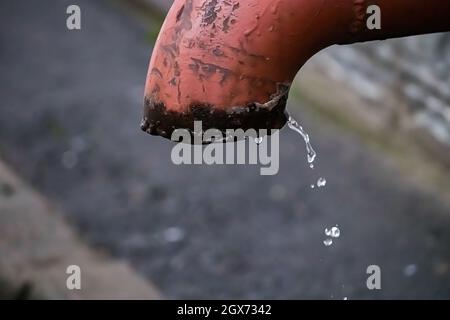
(162, 121)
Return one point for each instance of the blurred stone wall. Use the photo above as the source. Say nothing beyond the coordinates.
(402, 83)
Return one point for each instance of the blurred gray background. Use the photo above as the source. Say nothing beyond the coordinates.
(378, 115)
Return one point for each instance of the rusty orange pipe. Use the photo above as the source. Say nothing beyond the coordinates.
(230, 63)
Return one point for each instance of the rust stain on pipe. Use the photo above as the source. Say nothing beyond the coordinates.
(229, 63)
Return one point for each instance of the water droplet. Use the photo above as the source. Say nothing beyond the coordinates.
(334, 232)
(313, 186)
(328, 242)
(345, 298)
(311, 166)
(321, 182)
(259, 140)
(293, 125)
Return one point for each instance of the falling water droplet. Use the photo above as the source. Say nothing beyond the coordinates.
(334, 232)
(321, 182)
(259, 140)
(313, 186)
(293, 125)
(328, 242)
